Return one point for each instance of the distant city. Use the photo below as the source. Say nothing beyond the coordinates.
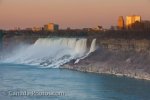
(133, 22)
(47, 27)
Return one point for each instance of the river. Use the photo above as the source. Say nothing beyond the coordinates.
(26, 82)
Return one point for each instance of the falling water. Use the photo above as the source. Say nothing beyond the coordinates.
(52, 52)
(92, 49)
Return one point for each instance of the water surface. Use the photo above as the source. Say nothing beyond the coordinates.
(74, 85)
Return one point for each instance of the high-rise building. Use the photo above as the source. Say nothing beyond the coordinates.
(120, 22)
(51, 27)
(130, 20)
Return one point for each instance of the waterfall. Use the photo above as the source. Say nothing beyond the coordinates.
(93, 46)
(92, 49)
(52, 52)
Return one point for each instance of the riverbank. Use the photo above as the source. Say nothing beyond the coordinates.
(144, 76)
(122, 63)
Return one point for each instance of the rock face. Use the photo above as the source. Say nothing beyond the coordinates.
(120, 57)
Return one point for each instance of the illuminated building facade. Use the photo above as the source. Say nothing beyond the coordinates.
(130, 20)
(51, 27)
(120, 22)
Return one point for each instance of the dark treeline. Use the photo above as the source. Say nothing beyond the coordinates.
(115, 34)
(124, 34)
(1, 39)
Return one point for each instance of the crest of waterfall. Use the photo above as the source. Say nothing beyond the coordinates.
(52, 52)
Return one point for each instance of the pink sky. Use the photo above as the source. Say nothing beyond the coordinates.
(69, 13)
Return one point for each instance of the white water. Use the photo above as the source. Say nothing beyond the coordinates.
(52, 52)
(93, 46)
(92, 49)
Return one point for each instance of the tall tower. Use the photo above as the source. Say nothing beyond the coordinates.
(130, 20)
(120, 22)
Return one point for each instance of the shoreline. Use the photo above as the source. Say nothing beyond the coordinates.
(69, 67)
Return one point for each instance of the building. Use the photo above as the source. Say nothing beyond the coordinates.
(98, 28)
(146, 25)
(36, 29)
(87, 29)
(120, 22)
(17, 29)
(130, 20)
(28, 29)
(114, 28)
(51, 27)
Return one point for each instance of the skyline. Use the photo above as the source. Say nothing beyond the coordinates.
(69, 13)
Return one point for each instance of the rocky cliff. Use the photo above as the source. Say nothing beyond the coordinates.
(119, 57)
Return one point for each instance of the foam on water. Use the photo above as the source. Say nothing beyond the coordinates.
(52, 52)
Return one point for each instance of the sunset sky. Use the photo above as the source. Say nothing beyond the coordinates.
(69, 13)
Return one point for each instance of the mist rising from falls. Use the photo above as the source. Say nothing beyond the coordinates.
(52, 52)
